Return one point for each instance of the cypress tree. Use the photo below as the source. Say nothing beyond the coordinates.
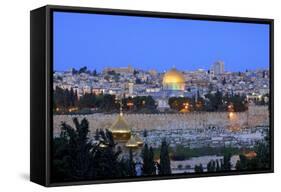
(211, 166)
(147, 164)
(151, 161)
(165, 167)
(131, 164)
(218, 168)
(226, 166)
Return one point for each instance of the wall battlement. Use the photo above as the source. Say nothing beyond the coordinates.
(255, 116)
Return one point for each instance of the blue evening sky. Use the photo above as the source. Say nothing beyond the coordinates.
(99, 41)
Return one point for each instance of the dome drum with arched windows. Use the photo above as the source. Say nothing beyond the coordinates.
(173, 80)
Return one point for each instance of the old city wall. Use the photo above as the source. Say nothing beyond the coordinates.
(255, 116)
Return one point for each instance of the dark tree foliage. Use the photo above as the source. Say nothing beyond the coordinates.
(214, 166)
(224, 81)
(136, 72)
(97, 135)
(226, 163)
(165, 167)
(83, 70)
(107, 103)
(151, 160)
(198, 168)
(76, 158)
(138, 81)
(219, 102)
(211, 166)
(148, 161)
(71, 152)
(132, 165)
(177, 103)
(213, 102)
(239, 102)
(63, 98)
(94, 73)
(88, 100)
(143, 104)
(145, 133)
(218, 167)
(261, 161)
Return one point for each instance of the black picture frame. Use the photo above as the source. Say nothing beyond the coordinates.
(41, 56)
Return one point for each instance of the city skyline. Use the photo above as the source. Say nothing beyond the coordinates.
(100, 41)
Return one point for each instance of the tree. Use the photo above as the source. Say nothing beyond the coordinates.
(83, 70)
(151, 161)
(238, 102)
(138, 81)
(73, 98)
(94, 73)
(226, 165)
(108, 103)
(145, 133)
(218, 168)
(132, 171)
(144, 104)
(165, 167)
(97, 135)
(224, 81)
(71, 154)
(75, 157)
(148, 160)
(211, 166)
(105, 158)
(198, 168)
(178, 103)
(262, 159)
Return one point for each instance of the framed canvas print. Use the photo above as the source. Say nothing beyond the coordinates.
(122, 95)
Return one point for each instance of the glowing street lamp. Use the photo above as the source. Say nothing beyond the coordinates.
(230, 108)
(186, 105)
(130, 104)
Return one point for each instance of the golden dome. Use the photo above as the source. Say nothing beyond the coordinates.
(173, 76)
(139, 141)
(120, 129)
(132, 143)
(173, 80)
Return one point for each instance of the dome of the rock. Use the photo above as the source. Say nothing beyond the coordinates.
(173, 80)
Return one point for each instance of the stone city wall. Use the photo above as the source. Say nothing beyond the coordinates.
(255, 116)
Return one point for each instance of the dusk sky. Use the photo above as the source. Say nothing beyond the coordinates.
(99, 41)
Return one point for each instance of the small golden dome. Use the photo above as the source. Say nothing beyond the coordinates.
(139, 141)
(132, 143)
(174, 80)
(120, 129)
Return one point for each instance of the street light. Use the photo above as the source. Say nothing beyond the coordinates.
(130, 104)
(186, 105)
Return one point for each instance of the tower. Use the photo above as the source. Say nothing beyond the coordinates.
(218, 67)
